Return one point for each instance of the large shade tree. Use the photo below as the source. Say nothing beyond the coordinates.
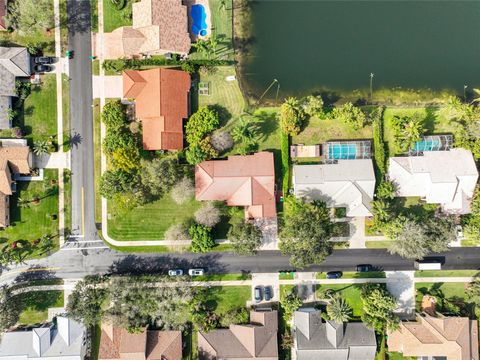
(378, 308)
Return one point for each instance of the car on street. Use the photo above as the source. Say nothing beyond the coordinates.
(364, 268)
(43, 60)
(268, 293)
(175, 272)
(196, 272)
(42, 68)
(258, 294)
(334, 274)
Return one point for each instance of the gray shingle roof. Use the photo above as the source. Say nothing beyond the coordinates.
(316, 339)
(5, 105)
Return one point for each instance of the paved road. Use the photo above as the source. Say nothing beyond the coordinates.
(83, 220)
(76, 264)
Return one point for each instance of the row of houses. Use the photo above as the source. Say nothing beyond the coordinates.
(428, 337)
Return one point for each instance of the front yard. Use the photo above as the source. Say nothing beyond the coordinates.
(350, 292)
(46, 40)
(31, 221)
(114, 18)
(35, 305)
(452, 292)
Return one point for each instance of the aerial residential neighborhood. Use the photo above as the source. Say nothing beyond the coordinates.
(239, 179)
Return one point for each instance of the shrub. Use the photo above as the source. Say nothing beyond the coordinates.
(208, 215)
(200, 124)
(202, 239)
(221, 140)
(177, 232)
(291, 116)
(183, 191)
(113, 114)
(351, 115)
(379, 146)
(313, 106)
(285, 148)
(189, 67)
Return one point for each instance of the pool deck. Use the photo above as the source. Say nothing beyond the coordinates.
(208, 20)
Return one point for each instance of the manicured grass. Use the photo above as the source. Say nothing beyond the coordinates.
(318, 131)
(36, 304)
(470, 243)
(451, 291)
(46, 40)
(434, 123)
(444, 273)
(38, 118)
(66, 111)
(378, 244)
(414, 206)
(141, 249)
(222, 277)
(223, 299)
(356, 275)
(96, 67)
(63, 26)
(97, 168)
(351, 293)
(32, 222)
(135, 225)
(286, 276)
(37, 283)
(68, 199)
(224, 93)
(113, 18)
(94, 15)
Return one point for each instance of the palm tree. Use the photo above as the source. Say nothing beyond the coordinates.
(380, 210)
(23, 203)
(412, 132)
(245, 133)
(291, 116)
(339, 310)
(40, 147)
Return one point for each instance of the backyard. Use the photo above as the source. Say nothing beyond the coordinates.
(33, 220)
(38, 117)
(114, 18)
(35, 305)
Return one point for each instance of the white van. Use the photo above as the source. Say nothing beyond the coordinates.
(428, 265)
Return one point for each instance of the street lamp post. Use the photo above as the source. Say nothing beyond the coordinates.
(371, 86)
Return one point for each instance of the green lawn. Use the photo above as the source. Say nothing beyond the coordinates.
(35, 305)
(443, 273)
(434, 123)
(454, 292)
(113, 18)
(94, 15)
(32, 222)
(223, 299)
(222, 277)
(356, 275)
(68, 199)
(378, 244)
(63, 26)
(414, 206)
(318, 131)
(66, 111)
(96, 67)
(38, 117)
(224, 93)
(97, 159)
(44, 39)
(351, 293)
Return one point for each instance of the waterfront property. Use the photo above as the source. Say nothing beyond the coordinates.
(257, 340)
(432, 143)
(64, 340)
(436, 337)
(161, 103)
(344, 183)
(318, 339)
(159, 27)
(247, 181)
(347, 150)
(447, 178)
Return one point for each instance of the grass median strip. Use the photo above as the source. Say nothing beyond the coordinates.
(446, 273)
(222, 277)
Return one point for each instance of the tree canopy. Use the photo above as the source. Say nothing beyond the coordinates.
(408, 130)
(245, 237)
(202, 238)
(378, 307)
(291, 116)
(10, 308)
(30, 16)
(351, 115)
(306, 232)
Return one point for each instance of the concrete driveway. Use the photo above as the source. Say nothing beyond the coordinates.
(113, 87)
(401, 285)
(263, 280)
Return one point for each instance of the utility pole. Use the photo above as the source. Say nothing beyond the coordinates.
(371, 86)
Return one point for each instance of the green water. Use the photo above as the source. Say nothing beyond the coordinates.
(323, 44)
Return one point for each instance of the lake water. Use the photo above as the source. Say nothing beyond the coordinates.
(321, 44)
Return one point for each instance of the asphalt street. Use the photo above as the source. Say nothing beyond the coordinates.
(83, 219)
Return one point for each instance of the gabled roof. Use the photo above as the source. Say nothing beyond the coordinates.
(14, 62)
(347, 183)
(161, 102)
(453, 337)
(318, 339)
(240, 181)
(441, 177)
(257, 340)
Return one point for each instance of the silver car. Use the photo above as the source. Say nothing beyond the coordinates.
(175, 272)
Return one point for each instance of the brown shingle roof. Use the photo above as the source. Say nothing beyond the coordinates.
(453, 337)
(119, 344)
(240, 181)
(257, 340)
(161, 102)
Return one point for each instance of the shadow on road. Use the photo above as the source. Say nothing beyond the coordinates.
(78, 17)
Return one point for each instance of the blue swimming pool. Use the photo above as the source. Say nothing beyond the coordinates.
(427, 145)
(199, 25)
(342, 151)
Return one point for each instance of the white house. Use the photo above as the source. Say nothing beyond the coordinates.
(346, 183)
(65, 340)
(447, 178)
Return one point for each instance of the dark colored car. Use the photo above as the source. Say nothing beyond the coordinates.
(364, 268)
(258, 294)
(43, 60)
(42, 68)
(268, 293)
(334, 274)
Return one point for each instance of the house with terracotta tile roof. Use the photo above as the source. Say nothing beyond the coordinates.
(257, 340)
(3, 12)
(159, 27)
(161, 103)
(247, 181)
(436, 337)
(15, 158)
(118, 344)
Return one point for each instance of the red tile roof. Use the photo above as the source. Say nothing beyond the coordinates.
(161, 98)
(240, 181)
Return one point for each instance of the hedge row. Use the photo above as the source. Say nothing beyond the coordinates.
(379, 146)
(285, 148)
(122, 64)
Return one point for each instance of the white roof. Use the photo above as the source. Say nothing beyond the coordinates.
(63, 342)
(441, 177)
(347, 183)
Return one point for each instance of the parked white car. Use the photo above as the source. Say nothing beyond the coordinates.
(196, 272)
(175, 272)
